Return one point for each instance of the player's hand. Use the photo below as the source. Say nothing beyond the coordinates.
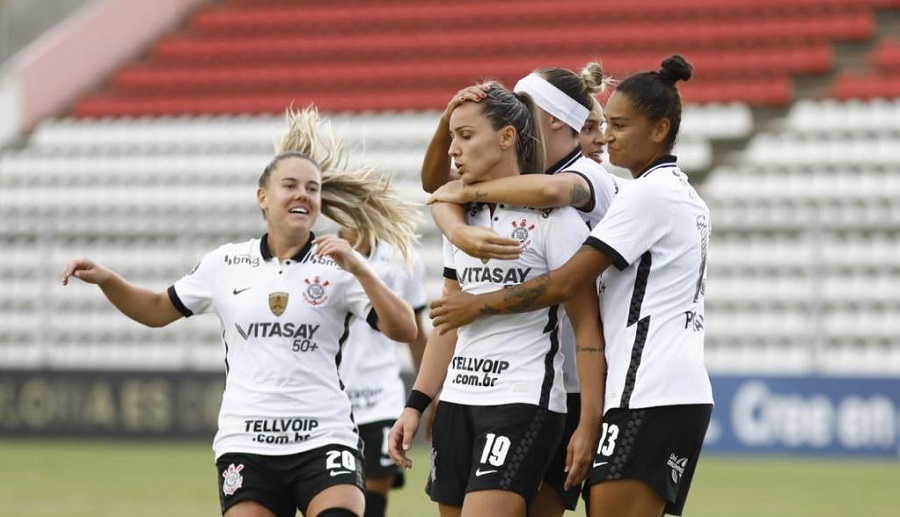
(401, 436)
(450, 192)
(340, 251)
(453, 311)
(580, 454)
(474, 93)
(86, 271)
(480, 242)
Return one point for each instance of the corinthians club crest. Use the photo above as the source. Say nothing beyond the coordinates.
(315, 291)
(232, 479)
(521, 232)
(278, 302)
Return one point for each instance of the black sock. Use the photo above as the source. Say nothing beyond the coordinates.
(376, 504)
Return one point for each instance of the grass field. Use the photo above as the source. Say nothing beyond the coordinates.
(94, 479)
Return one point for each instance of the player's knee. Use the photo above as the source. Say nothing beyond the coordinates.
(376, 505)
(337, 512)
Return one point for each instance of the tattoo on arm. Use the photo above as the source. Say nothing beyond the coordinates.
(579, 348)
(524, 298)
(479, 195)
(579, 196)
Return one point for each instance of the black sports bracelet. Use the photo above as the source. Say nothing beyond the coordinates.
(418, 401)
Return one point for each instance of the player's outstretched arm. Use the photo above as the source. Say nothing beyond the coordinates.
(140, 304)
(534, 190)
(551, 288)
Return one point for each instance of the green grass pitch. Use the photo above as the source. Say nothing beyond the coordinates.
(134, 479)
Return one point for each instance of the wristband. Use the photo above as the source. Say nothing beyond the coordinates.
(418, 401)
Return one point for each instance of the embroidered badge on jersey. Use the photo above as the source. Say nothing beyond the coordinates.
(315, 292)
(233, 479)
(278, 302)
(521, 232)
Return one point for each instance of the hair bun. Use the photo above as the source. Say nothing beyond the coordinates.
(675, 68)
(593, 78)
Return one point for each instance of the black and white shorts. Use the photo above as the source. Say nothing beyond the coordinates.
(556, 474)
(284, 484)
(506, 447)
(659, 446)
(378, 463)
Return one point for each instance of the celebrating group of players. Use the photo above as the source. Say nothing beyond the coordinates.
(552, 375)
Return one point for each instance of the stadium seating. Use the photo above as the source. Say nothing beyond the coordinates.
(159, 166)
(244, 57)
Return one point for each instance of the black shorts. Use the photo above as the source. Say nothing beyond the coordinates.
(378, 463)
(284, 484)
(659, 446)
(506, 447)
(556, 473)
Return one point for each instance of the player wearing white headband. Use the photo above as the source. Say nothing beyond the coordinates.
(565, 100)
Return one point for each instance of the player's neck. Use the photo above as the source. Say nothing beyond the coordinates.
(285, 247)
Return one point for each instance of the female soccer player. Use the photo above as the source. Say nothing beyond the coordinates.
(285, 439)
(502, 401)
(658, 394)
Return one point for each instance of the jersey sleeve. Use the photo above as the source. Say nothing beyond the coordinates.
(637, 218)
(449, 262)
(604, 187)
(565, 233)
(195, 291)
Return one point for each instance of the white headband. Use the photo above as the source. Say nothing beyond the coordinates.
(552, 100)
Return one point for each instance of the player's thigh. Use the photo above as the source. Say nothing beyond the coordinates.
(248, 509)
(625, 498)
(548, 503)
(494, 503)
(338, 496)
(380, 485)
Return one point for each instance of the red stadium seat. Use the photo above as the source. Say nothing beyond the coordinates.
(245, 55)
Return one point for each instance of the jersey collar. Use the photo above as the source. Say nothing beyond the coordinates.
(662, 161)
(566, 162)
(267, 253)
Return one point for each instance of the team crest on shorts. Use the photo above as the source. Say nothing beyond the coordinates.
(315, 291)
(233, 479)
(278, 302)
(521, 232)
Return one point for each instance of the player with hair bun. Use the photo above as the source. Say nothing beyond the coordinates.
(658, 398)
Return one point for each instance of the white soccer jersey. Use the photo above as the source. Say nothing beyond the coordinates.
(604, 187)
(651, 302)
(283, 325)
(512, 358)
(369, 366)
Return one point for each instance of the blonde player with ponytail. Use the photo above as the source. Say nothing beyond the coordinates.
(286, 439)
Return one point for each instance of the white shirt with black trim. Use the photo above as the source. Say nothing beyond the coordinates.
(283, 325)
(652, 301)
(369, 366)
(604, 186)
(512, 358)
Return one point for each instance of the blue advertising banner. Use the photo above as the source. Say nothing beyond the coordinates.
(806, 415)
